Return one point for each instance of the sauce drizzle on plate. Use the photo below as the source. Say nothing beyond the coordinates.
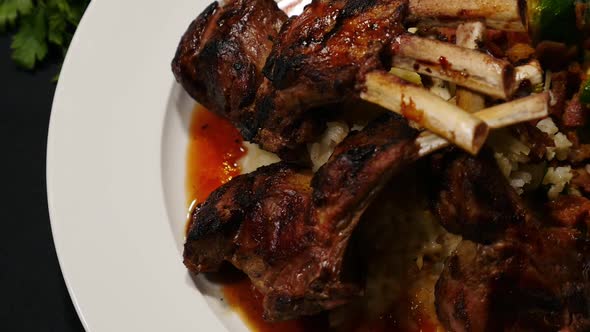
(215, 147)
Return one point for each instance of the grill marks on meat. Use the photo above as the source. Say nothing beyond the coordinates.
(473, 198)
(265, 204)
(529, 280)
(326, 46)
(288, 230)
(318, 58)
(527, 277)
(220, 57)
(359, 167)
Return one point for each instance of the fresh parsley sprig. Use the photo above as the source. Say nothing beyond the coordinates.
(40, 26)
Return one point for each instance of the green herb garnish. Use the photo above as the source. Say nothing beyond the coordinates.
(40, 26)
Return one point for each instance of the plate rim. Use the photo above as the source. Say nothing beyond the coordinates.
(82, 42)
(48, 152)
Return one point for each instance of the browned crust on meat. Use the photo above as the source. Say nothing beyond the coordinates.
(254, 211)
(288, 231)
(527, 276)
(317, 60)
(473, 199)
(220, 57)
(360, 165)
(532, 279)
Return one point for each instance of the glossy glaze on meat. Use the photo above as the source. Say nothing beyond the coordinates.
(318, 58)
(288, 230)
(220, 57)
(525, 276)
(472, 197)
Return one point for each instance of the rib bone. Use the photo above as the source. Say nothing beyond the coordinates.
(497, 14)
(469, 68)
(426, 109)
(520, 110)
(469, 35)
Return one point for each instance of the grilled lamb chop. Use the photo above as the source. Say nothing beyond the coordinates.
(527, 276)
(318, 58)
(472, 197)
(220, 57)
(288, 230)
(325, 56)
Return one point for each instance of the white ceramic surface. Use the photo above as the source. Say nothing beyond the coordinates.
(115, 172)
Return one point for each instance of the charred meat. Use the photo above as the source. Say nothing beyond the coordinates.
(288, 230)
(315, 61)
(323, 57)
(525, 276)
(220, 57)
(318, 58)
(473, 198)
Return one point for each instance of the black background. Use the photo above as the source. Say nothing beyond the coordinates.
(33, 296)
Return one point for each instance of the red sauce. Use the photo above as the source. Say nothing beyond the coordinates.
(214, 149)
(247, 301)
(444, 63)
(409, 111)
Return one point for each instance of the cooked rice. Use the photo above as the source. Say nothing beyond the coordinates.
(547, 126)
(557, 178)
(511, 154)
(256, 157)
(519, 179)
(562, 144)
(321, 150)
(512, 157)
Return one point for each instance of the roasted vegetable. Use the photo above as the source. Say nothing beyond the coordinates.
(585, 92)
(557, 20)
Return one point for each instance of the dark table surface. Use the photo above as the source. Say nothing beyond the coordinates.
(33, 296)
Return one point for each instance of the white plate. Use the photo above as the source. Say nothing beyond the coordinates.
(115, 173)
